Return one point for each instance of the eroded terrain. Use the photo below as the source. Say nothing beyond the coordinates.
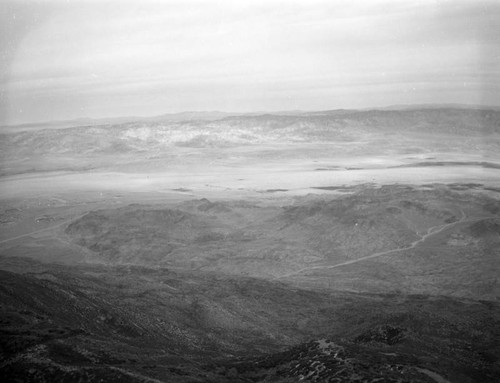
(330, 247)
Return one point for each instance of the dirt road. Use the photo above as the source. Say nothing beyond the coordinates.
(430, 232)
(67, 221)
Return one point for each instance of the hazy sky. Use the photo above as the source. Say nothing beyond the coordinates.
(69, 59)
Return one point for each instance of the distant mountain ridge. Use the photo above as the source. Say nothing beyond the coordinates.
(94, 146)
(216, 115)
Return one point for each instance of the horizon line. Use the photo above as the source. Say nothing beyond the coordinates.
(392, 107)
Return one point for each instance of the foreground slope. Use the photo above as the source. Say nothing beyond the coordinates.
(135, 324)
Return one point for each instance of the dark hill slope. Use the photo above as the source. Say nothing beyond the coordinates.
(135, 324)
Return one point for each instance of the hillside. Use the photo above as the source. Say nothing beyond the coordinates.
(301, 241)
(137, 324)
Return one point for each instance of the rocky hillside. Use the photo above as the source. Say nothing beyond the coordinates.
(141, 325)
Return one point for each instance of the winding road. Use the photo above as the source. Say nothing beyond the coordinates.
(430, 232)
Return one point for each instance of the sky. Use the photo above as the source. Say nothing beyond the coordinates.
(90, 59)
